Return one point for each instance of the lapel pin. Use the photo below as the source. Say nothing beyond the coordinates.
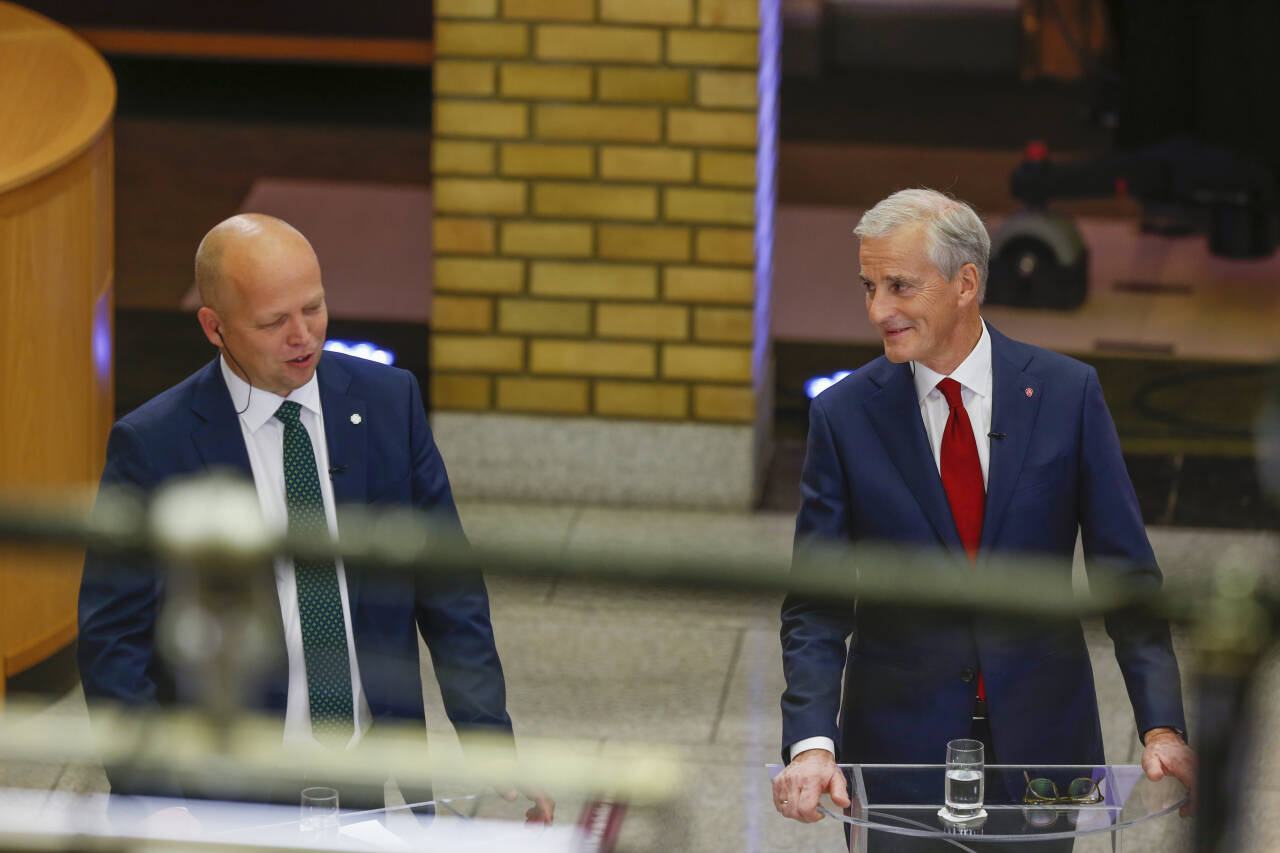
(355, 419)
(1026, 391)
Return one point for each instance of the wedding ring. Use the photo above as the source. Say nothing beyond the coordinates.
(784, 802)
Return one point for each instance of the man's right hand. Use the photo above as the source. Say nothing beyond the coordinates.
(810, 774)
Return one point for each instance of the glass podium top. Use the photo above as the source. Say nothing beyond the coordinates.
(904, 799)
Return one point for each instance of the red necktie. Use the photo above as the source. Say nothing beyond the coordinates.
(962, 478)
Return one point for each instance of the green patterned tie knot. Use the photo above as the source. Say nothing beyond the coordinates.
(324, 630)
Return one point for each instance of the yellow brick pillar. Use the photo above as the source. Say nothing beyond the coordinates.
(603, 190)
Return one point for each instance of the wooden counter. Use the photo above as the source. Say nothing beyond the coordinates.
(56, 266)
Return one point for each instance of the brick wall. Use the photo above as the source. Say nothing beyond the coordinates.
(594, 175)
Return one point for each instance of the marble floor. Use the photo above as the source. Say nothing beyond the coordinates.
(700, 673)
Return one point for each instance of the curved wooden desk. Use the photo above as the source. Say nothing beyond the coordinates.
(56, 263)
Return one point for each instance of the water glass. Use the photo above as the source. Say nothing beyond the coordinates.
(319, 819)
(964, 780)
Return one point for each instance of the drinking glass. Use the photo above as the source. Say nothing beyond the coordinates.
(319, 812)
(964, 781)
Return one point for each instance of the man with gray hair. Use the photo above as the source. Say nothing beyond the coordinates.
(965, 443)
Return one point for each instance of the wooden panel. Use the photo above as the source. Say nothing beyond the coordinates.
(373, 51)
(56, 275)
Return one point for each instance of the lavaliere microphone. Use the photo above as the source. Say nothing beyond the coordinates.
(996, 435)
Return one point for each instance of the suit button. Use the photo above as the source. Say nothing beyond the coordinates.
(967, 674)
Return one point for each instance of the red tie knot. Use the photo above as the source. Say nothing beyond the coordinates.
(951, 390)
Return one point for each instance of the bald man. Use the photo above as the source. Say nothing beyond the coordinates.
(315, 432)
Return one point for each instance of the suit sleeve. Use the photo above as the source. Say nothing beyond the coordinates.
(119, 598)
(118, 606)
(814, 632)
(1116, 547)
(452, 611)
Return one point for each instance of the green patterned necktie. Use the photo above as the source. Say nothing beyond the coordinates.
(324, 631)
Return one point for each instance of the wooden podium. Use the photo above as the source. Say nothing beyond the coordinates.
(56, 266)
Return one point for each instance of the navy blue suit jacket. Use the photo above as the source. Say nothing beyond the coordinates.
(870, 477)
(387, 458)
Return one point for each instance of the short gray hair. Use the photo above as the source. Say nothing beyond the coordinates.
(955, 233)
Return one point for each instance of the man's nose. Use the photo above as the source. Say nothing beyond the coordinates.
(296, 330)
(878, 306)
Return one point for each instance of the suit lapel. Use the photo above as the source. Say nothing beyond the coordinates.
(218, 438)
(894, 412)
(345, 432)
(1013, 414)
(220, 442)
(346, 435)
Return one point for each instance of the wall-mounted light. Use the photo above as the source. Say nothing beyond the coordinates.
(362, 349)
(815, 386)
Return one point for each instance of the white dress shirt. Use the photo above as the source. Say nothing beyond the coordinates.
(974, 376)
(264, 441)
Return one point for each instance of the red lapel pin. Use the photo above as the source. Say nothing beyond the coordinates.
(1028, 391)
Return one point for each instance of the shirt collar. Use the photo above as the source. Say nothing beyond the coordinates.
(973, 373)
(262, 405)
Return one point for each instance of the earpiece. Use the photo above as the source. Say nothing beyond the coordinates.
(218, 331)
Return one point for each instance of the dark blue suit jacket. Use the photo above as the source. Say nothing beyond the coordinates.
(870, 477)
(388, 458)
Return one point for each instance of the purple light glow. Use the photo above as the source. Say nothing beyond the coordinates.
(766, 180)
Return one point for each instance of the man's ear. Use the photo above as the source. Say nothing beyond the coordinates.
(970, 284)
(209, 324)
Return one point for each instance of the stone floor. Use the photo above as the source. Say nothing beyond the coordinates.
(700, 673)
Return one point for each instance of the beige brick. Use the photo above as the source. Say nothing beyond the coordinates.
(549, 10)
(651, 322)
(592, 358)
(548, 161)
(597, 43)
(644, 85)
(598, 124)
(479, 275)
(476, 352)
(725, 245)
(709, 284)
(480, 118)
(735, 403)
(727, 89)
(729, 13)
(461, 313)
(723, 325)
(465, 236)
(456, 38)
(473, 195)
(608, 281)
(729, 168)
(526, 394)
(547, 239)
(699, 47)
(459, 391)
(544, 316)
(530, 80)
(461, 77)
(601, 201)
(707, 127)
(647, 11)
(690, 361)
(449, 157)
(637, 163)
(642, 399)
(643, 243)
(728, 207)
(466, 8)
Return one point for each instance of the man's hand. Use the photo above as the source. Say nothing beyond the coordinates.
(1166, 754)
(175, 820)
(543, 810)
(810, 774)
